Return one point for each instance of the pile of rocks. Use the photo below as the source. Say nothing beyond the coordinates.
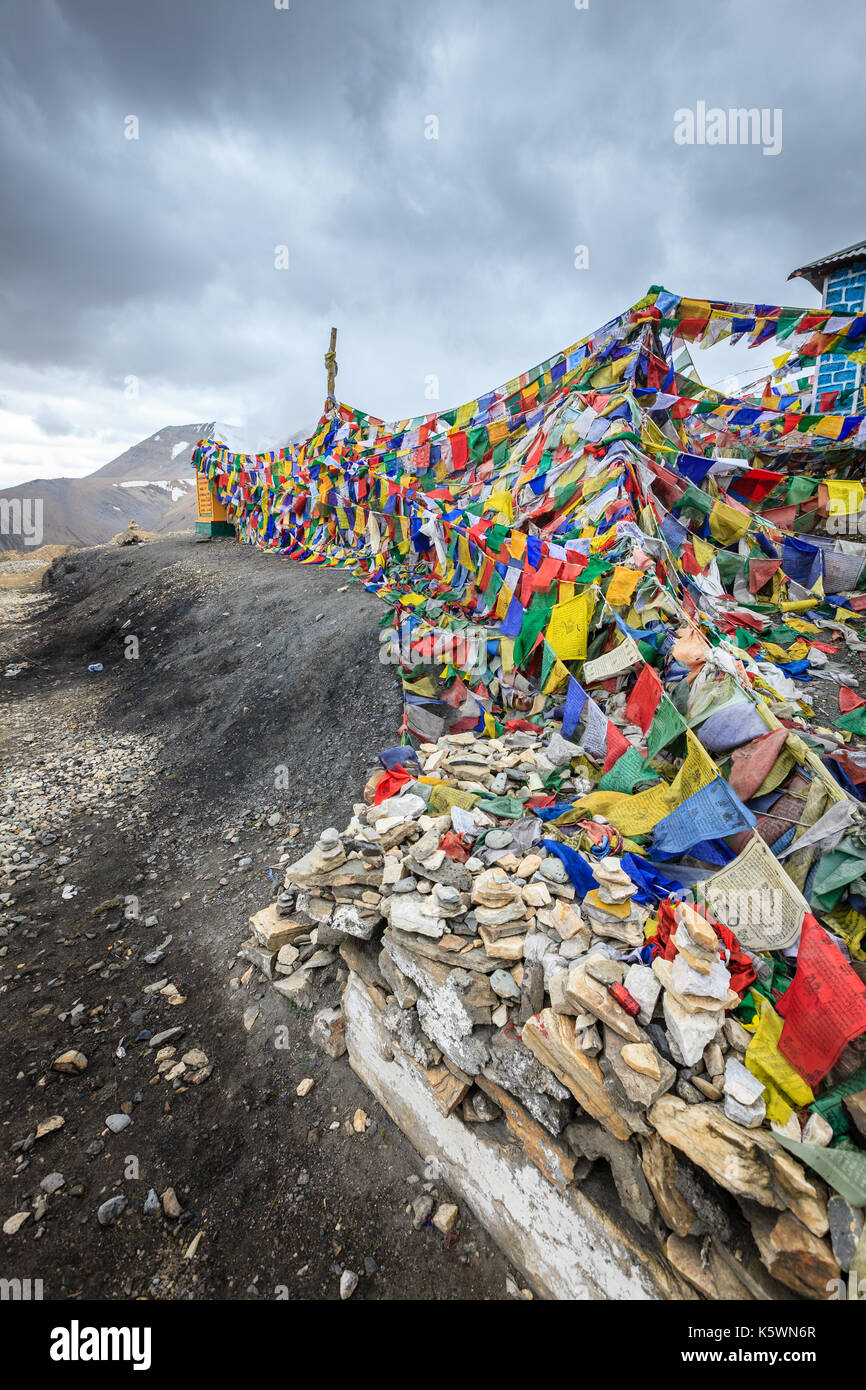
(529, 1008)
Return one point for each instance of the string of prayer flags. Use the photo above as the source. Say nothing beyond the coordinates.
(621, 604)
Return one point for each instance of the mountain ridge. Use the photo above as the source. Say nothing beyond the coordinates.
(150, 483)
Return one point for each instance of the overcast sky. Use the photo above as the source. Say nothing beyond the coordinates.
(148, 265)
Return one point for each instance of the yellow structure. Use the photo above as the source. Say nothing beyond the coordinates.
(212, 516)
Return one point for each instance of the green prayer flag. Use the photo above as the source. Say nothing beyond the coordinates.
(854, 721)
(800, 488)
(506, 806)
(628, 770)
(548, 661)
(591, 572)
(667, 725)
(843, 1166)
(829, 1106)
(533, 621)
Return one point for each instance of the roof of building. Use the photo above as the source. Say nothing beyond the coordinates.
(815, 271)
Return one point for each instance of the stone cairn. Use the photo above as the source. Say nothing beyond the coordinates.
(528, 1011)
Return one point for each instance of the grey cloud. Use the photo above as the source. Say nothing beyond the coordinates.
(451, 257)
(52, 422)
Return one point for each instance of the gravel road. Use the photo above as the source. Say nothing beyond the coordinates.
(141, 803)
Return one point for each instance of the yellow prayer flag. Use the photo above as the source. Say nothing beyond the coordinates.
(635, 814)
(568, 628)
(846, 496)
(500, 502)
(727, 524)
(517, 544)
(503, 599)
(622, 586)
(786, 1089)
(704, 552)
(829, 426)
(558, 676)
(697, 772)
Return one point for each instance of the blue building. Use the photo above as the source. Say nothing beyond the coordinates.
(840, 279)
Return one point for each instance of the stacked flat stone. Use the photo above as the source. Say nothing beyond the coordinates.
(513, 994)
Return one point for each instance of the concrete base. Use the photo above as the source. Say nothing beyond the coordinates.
(215, 528)
(565, 1245)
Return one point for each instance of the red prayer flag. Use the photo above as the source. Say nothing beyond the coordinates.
(761, 572)
(459, 448)
(617, 744)
(390, 783)
(644, 699)
(751, 763)
(824, 1006)
(848, 700)
(756, 483)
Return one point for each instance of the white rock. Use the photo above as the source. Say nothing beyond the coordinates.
(445, 1217)
(410, 912)
(685, 980)
(14, 1223)
(791, 1127)
(689, 1033)
(643, 986)
(559, 752)
(740, 1084)
(749, 1115)
(405, 807)
(817, 1131)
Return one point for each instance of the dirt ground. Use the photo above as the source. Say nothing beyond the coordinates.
(150, 787)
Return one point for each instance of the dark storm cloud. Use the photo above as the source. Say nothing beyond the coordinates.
(451, 257)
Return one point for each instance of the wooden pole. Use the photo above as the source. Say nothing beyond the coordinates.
(331, 367)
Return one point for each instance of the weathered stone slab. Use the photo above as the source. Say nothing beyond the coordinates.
(640, 1088)
(363, 958)
(514, 1067)
(475, 959)
(352, 922)
(585, 993)
(404, 990)
(554, 1160)
(749, 1163)
(593, 1141)
(793, 1255)
(659, 1162)
(304, 873)
(262, 957)
(447, 1090)
(272, 931)
(565, 1245)
(551, 1038)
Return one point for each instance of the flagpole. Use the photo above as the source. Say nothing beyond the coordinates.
(331, 368)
